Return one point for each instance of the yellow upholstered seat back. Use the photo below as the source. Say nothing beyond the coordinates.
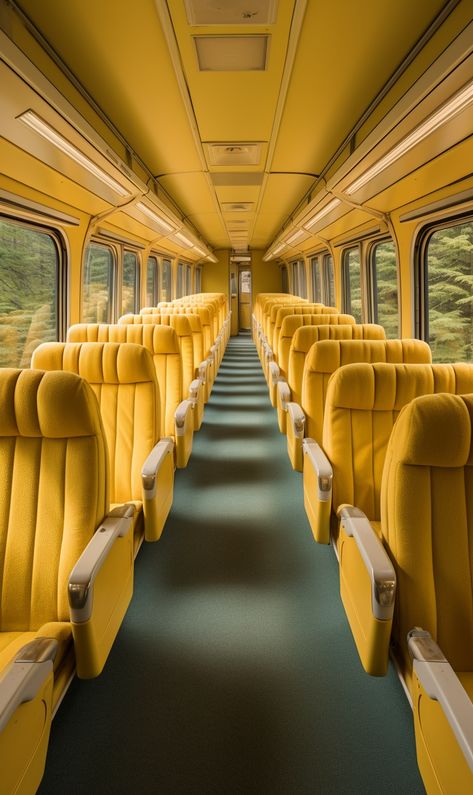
(326, 356)
(305, 336)
(279, 313)
(427, 523)
(123, 377)
(335, 327)
(362, 404)
(161, 342)
(285, 300)
(54, 491)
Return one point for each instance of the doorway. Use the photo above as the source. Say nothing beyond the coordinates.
(244, 299)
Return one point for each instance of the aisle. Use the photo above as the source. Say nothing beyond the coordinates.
(235, 671)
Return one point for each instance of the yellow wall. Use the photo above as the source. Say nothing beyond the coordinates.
(216, 275)
(266, 276)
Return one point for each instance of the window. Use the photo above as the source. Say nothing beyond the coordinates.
(130, 282)
(97, 284)
(384, 287)
(198, 280)
(316, 281)
(30, 291)
(152, 277)
(179, 280)
(352, 283)
(447, 263)
(285, 285)
(188, 280)
(329, 286)
(299, 286)
(166, 280)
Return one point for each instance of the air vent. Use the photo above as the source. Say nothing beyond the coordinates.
(224, 179)
(237, 207)
(231, 53)
(231, 12)
(233, 154)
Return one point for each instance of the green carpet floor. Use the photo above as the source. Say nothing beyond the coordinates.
(235, 670)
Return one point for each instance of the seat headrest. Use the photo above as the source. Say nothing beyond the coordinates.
(327, 355)
(55, 405)
(181, 325)
(98, 362)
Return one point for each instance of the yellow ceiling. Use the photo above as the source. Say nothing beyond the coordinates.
(122, 54)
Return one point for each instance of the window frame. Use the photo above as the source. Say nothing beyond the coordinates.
(346, 286)
(317, 261)
(328, 299)
(198, 280)
(180, 280)
(373, 280)
(299, 277)
(96, 241)
(188, 281)
(130, 250)
(156, 281)
(166, 268)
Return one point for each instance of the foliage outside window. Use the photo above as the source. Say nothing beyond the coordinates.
(329, 286)
(352, 283)
(449, 293)
(97, 284)
(29, 293)
(384, 278)
(188, 280)
(316, 280)
(152, 272)
(166, 280)
(129, 282)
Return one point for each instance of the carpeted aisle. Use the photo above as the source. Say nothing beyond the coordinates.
(235, 671)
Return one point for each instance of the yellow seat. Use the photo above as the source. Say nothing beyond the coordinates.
(66, 563)
(362, 404)
(123, 377)
(176, 413)
(323, 359)
(427, 525)
(279, 313)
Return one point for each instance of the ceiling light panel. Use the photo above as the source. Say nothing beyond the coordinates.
(163, 226)
(231, 53)
(233, 154)
(237, 207)
(231, 12)
(322, 213)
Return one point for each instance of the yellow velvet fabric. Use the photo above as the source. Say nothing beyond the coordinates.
(362, 404)
(123, 377)
(53, 495)
(279, 313)
(163, 344)
(339, 326)
(326, 356)
(427, 523)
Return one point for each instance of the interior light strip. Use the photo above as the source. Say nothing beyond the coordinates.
(322, 213)
(45, 131)
(295, 237)
(455, 105)
(154, 217)
(183, 239)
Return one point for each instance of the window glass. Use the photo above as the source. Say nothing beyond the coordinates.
(97, 284)
(152, 272)
(299, 286)
(188, 279)
(352, 283)
(179, 280)
(295, 279)
(384, 278)
(285, 285)
(316, 281)
(198, 280)
(166, 280)
(29, 292)
(130, 282)
(449, 282)
(329, 286)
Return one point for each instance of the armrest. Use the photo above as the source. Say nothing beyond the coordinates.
(322, 467)
(152, 465)
(297, 418)
(194, 387)
(181, 413)
(268, 353)
(25, 675)
(202, 370)
(284, 394)
(214, 350)
(274, 373)
(441, 684)
(379, 567)
(81, 581)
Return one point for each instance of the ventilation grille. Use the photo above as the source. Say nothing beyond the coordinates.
(237, 207)
(233, 154)
(231, 53)
(231, 12)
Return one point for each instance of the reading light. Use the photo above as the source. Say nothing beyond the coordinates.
(296, 236)
(323, 212)
(154, 217)
(39, 126)
(446, 112)
(183, 239)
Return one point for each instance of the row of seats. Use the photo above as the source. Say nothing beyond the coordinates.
(392, 495)
(90, 438)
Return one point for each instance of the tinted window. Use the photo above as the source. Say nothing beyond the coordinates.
(130, 282)
(352, 283)
(384, 278)
(188, 280)
(329, 286)
(166, 280)
(152, 272)
(316, 281)
(97, 284)
(179, 280)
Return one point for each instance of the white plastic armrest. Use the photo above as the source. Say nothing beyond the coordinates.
(214, 350)
(268, 352)
(297, 418)
(284, 394)
(194, 387)
(274, 373)
(25, 675)
(375, 558)
(322, 466)
(441, 683)
(152, 465)
(202, 370)
(81, 580)
(181, 413)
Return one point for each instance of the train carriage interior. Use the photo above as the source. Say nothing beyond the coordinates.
(236, 397)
